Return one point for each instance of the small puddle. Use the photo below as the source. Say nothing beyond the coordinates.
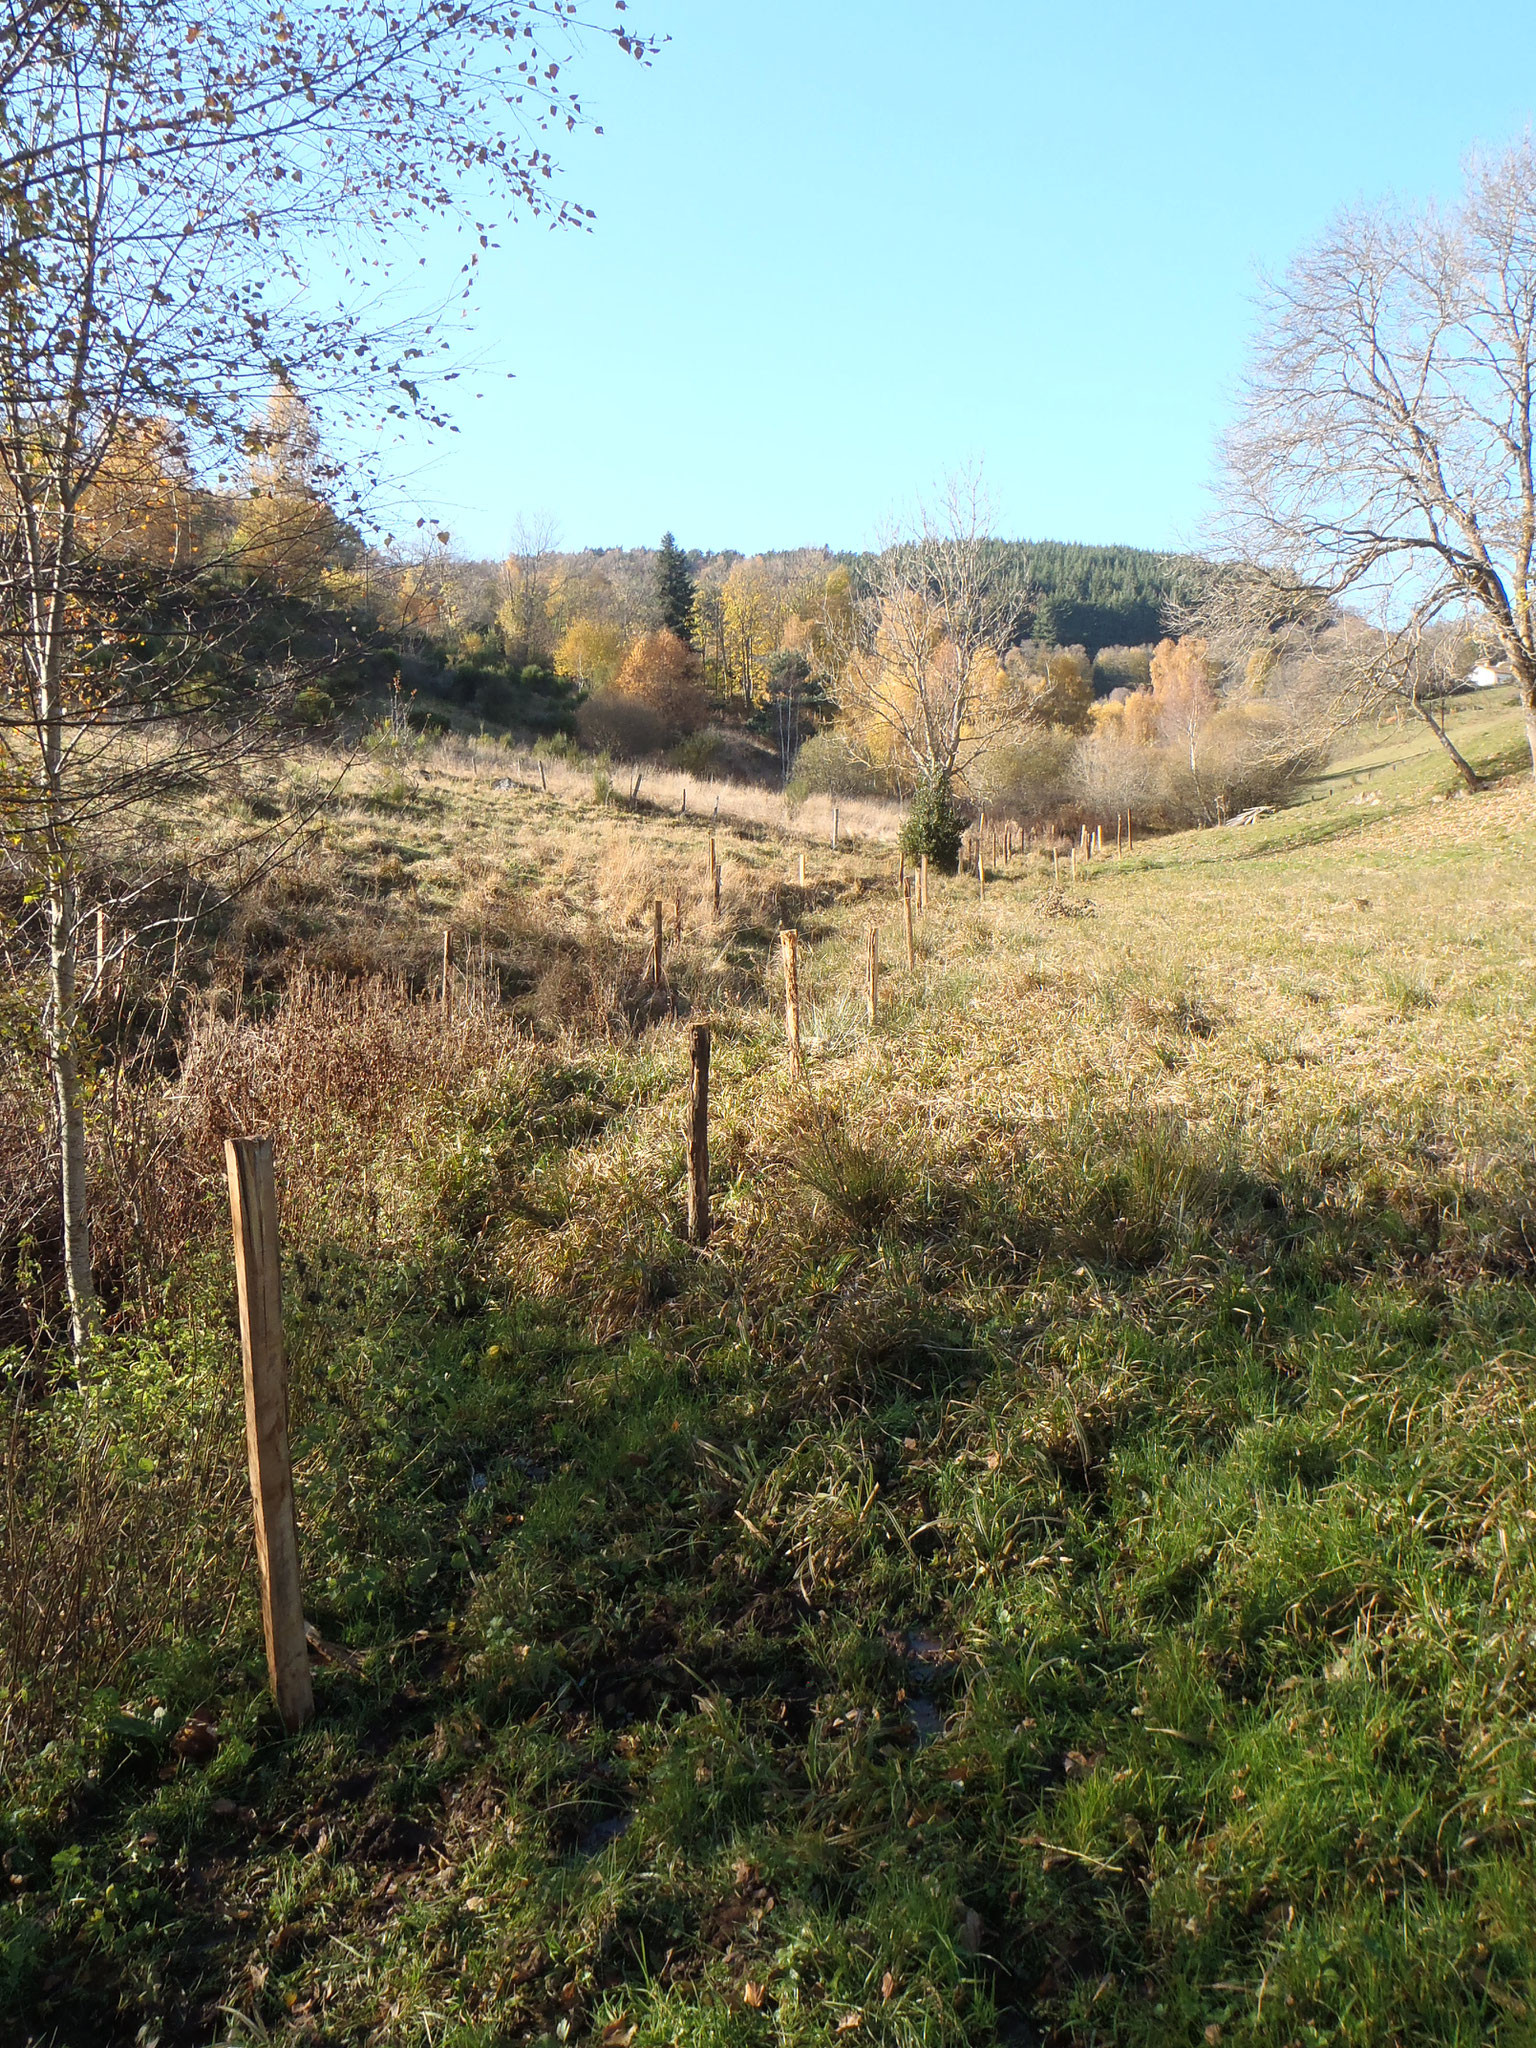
(927, 1660)
(925, 1718)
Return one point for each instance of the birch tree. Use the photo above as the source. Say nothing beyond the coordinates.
(166, 177)
(917, 668)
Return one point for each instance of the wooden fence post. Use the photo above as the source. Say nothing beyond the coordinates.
(684, 812)
(698, 1135)
(253, 1215)
(717, 891)
(834, 828)
(542, 783)
(901, 870)
(906, 907)
(981, 872)
(872, 999)
(447, 973)
(790, 942)
(711, 856)
(656, 945)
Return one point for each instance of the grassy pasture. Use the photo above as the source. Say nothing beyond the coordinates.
(1057, 1567)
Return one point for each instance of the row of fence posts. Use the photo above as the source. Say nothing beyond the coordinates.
(253, 1218)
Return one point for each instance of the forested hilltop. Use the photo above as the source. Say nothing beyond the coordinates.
(1083, 595)
(1097, 597)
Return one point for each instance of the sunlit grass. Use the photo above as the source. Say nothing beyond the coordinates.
(1058, 1564)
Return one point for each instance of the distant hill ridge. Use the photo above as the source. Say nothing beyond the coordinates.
(1085, 594)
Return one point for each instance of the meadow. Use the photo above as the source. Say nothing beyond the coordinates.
(1057, 1566)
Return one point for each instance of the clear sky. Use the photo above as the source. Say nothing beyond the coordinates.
(844, 247)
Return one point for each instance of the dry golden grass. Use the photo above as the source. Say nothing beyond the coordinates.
(1137, 1314)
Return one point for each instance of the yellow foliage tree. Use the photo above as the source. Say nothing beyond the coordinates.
(920, 679)
(915, 700)
(664, 673)
(590, 653)
(287, 530)
(1054, 689)
(140, 502)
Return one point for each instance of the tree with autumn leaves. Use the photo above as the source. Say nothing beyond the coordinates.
(918, 671)
(165, 177)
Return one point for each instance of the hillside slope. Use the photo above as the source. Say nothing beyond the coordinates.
(1057, 1566)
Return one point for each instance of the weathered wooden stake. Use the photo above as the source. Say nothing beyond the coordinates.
(834, 828)
(656, 946)
(901, 870)
(711, 855)
(906, 910)
(447, 973)
(981, 872)
(698, 1135)
(253, 1214)
(717, 891)
(542, 783)
(872, 998)
(790, 941)
(685, 800)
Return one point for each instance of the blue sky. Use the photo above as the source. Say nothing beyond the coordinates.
(843, 248)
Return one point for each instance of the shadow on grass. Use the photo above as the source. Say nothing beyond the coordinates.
(1059, 1597)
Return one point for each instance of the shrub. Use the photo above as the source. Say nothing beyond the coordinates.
(619, 725)
(827, 766)
(702, 753)
(933, 824)
(665, 675)
(557, 746)
(1122, 668)
(1033, 776)
(314, 707)
(495, 699)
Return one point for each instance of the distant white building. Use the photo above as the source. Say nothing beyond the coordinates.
(1487, 676)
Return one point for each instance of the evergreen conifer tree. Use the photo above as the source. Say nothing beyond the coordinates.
(674, 588)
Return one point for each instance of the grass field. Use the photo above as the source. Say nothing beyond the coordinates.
(1058, 1566)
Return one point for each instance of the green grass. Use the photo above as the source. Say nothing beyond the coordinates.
(1057, 1567)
